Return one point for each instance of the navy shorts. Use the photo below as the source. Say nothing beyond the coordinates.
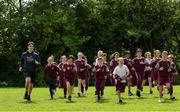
(30, 74)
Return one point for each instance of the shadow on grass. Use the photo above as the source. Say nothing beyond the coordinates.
(103, 100)
(28, 102)
(70, 102)
(135, 98)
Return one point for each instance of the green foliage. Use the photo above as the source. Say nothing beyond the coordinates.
(67, 26)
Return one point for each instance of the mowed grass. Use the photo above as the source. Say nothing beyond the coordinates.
(11, 99)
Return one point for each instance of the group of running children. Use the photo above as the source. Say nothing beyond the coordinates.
(158, 71)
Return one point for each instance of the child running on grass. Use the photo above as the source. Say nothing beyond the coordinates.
(101, 71)
(70, 74)
(120, 73)
(51, 75)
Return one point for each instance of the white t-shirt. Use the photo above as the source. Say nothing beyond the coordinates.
(121, 71)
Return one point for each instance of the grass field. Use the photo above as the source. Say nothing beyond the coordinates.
(11, 100)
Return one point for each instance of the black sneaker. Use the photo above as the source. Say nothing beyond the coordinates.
(98, 98)
(95, 93)
(152, 85)
(138, 93)
(79, 95)
(120, 101)
(26, 95)
(29, 98)
(173, 98)
(130, 94)
(69, 98)
(64, 96)
(151, 92)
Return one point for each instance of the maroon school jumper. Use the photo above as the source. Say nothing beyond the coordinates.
(81, 64)
(147, 73)
(113, 64)
(154, 73)
(100, 77)
(164, 75)
(139, 70)
(51, 72)
(62, 83)
(69, 73)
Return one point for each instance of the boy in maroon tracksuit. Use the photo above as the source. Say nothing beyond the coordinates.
(101, 71)
(81, 72)
(51, 75)
(70, 71)
(173, 72)
(139, 67)
(164, 69)
(128, 63)
(62, 83)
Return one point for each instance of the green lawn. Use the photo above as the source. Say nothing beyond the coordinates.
(11, 100)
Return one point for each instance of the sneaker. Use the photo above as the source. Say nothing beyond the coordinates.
(130, 94)
(79, 95)
(151, 92)
(120, 101)
(152, 85)
(29, 98)
(138, 93)
(98, 98)
(86, 92)
(26, 95)
(172, 97)
(161, 100)
(64, 96)
(69, 98)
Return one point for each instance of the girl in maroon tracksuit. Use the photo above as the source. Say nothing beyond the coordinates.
(101, 71)
(113, 64)
(51, 75)
(148, 70)
(62, 83)
(70, 74)
(164, 68)
(139, 67)
(130, 77)
(81, 72)
(154, 73)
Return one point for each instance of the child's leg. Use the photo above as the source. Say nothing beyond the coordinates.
(68, 88)
(79, 86)
(129, 86)
(87, 83)
(84, 83)
(119, 95)
(150, 84)
(50, 91)
(65, 89)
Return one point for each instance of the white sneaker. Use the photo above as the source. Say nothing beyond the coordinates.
(86, 92)
(161, 100)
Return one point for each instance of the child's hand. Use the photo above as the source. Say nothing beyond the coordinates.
(36, 62)
(133, 69)
(81, 69)
(64, 70)
(20, 69)
(161, 69)
(169, 70)
(98, 70)
(141, 62)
